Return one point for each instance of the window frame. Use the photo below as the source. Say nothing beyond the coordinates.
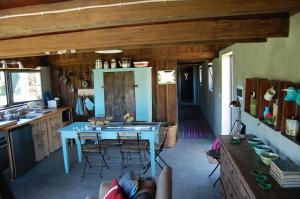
(9, 87)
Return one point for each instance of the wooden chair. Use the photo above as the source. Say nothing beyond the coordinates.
(91, 145)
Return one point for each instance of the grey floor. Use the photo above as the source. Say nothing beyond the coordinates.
(188, 160)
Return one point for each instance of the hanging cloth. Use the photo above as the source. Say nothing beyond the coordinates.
(79, 107)
(89, 104)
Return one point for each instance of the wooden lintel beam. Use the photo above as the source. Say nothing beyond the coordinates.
(209, 31)
(137, 14)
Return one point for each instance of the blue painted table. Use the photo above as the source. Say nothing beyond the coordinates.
(149, 131)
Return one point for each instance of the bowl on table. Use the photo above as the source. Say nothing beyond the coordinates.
(267, 157)
(260, 148)
(254, 141)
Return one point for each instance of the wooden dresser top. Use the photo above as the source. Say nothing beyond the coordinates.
(246, 160)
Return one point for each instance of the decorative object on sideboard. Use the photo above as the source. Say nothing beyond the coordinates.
(237, 131)
(98, 64)
(106, 65)
(125, 63)
(138, 64)
(292, 127)
(291, 93)
(270, 94)
(113, 63)
(253, 106)
(268, 157)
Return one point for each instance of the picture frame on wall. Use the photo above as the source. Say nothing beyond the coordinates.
(166, 77)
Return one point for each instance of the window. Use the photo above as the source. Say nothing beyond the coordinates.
(200, 75)
(17, 87)
(3, 97)
(26, 86)
(210, 78)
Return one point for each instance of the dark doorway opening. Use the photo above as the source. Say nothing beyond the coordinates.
(187, 84)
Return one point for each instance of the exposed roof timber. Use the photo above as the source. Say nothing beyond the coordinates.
(130, 15)
(210, 31)
(4, 4)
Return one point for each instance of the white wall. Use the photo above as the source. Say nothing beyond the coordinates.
(279, 59)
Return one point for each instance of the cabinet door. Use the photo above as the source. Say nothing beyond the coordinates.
(40, 139)
(54, 124)
(119, 94)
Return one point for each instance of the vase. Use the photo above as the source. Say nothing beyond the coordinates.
(253, 106)
(266, 111)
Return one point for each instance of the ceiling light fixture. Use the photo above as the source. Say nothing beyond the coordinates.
(113, 51)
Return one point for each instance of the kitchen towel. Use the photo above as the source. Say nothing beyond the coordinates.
(79, 108)
(89, 104)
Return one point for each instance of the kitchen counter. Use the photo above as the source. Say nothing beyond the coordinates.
(23, 122)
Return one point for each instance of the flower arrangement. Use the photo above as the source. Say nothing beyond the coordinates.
(128, 117)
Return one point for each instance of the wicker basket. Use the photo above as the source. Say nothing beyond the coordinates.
(169, 128)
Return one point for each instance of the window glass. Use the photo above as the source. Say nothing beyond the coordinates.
(3, 97)
(26, 86)
(210, 78)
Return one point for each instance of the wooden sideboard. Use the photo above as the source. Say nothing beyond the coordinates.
(237, 162)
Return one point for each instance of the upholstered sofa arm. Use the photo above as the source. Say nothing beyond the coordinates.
(104, 188)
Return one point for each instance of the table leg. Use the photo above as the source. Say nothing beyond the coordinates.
(65, 154)
(152, 156)
(79, 153)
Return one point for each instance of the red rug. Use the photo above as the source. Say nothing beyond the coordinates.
(194, 130)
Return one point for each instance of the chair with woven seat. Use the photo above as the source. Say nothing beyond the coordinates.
(158, 149)
(91, 145)
(132, 145)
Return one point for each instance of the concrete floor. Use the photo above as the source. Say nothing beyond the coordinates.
(47, 179)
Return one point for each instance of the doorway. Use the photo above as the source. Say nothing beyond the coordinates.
(188, 84)
(227, 63)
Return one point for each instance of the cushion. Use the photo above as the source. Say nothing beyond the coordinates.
(146, 190)
(129, 184)
(115, 191)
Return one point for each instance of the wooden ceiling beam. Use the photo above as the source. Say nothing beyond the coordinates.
(146, 13)
(209, 31)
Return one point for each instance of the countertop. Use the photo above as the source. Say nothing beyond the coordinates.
(23, 122)
(246, 160)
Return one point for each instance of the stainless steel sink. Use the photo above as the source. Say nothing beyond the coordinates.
(32, 115)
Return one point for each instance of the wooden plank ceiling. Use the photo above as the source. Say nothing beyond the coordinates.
(137, 24)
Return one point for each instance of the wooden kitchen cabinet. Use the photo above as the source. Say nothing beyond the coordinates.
(40, 139)
(55, 122)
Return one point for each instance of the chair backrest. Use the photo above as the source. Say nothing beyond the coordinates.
(161, 147)
(129, 136)
(89, 136)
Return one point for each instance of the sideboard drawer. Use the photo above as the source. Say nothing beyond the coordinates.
(243, 193)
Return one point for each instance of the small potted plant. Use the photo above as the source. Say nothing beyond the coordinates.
(128, 118)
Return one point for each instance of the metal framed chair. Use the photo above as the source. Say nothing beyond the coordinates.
(158, 149)
(132, 146)
(214, 158)
(91, 145)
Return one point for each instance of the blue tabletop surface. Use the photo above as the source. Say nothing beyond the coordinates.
(113, 126)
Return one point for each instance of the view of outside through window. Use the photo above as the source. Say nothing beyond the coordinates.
(3, 99)
(26, 86)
